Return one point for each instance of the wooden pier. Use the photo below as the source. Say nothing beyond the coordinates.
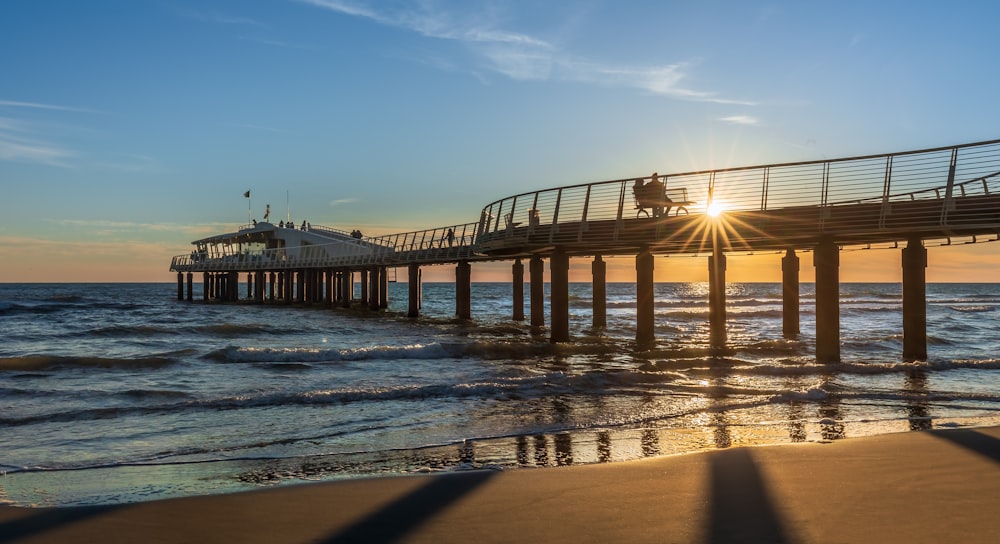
(900, 200)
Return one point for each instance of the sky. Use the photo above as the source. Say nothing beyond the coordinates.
(129, 128)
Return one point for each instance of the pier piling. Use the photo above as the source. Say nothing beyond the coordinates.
(517, 290)
(599, 290)
(559, 301)
(536, 286)
(790, 294)
(644, 309)
(826, 258)
(914, 300)
(413, 288)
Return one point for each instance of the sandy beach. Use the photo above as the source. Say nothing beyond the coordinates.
(932, 486)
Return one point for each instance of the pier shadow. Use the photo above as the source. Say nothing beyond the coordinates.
(741, 508)
(46, 520)
(395, 520)
(974, 441)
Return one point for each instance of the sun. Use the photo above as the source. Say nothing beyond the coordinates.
(715, 209)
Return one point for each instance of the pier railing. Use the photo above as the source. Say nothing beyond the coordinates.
(946, 175)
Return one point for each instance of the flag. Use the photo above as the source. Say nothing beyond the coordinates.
(246, 194)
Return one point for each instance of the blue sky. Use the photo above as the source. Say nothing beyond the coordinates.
(129, 128)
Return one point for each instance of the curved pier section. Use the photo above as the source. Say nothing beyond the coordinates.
(942, 195)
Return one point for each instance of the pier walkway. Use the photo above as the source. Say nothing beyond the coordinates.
(943, 196)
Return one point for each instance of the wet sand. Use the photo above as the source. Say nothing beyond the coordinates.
(930, 486)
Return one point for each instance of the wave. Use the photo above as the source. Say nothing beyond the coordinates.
(49, 362)
(488, 350)
(972, 309)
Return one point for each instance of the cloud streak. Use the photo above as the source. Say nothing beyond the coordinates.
(740, 120)
(523, 57)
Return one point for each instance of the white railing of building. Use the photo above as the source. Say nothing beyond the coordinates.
(425, 246)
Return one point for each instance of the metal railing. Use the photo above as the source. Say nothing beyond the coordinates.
(944, 174)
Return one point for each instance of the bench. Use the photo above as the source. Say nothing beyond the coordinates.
(655, 197)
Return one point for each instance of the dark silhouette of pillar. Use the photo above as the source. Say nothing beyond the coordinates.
(346, 288)
(300, 294)
(536, 286)
(826, 258)
(260, 283)
(383, 289)
(271, 286)
(249, 285)
(206, 288)
(331, 285)
(374, 293)
(234, 286)
(413, 286)
(364, 286)
(717, 294)
(790, 294)
(599, 288)
(517, 296)
(180, 286)
(915, 300)
(644, 310)
(559, 293)
(463, 290)
(190, 287)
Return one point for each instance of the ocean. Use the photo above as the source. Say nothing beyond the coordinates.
(117, 393)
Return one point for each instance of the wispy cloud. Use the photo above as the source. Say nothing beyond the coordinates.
(521, 56)
(109, 226)
(342, 201)
(250, 126)
(41, 106)
(18, 143)
(740, 120)
(219, 18)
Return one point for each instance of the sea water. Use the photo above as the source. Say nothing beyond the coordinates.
(114, 393)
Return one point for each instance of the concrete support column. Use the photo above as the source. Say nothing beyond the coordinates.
(463, 290)
(644, 309)
(383, 290)
(250, 285)
(190, 287)
(413, 286)
(339, 295)
(281, 286)
(559, 296)
(364, 286)
(260, 282)
(234, 286)
(915, 300)
(374, 294)
(599, 269)
(206, 279)
(300, 292)
(180, 286)
(346, 288)
(536, 279)
(717, 294)
(330, 275)
(271, 287)
(517, 290)
(790, 294)
(826, 258)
